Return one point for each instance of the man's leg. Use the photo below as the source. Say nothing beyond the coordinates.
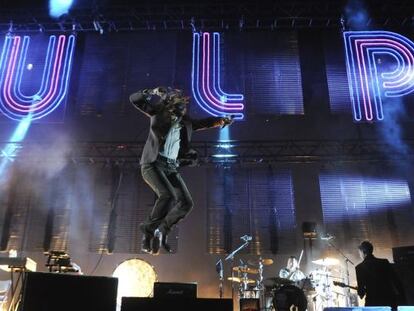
(156, 178)
(180, 210)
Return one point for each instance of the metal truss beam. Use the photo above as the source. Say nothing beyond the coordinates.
(203, 15)
(236, 152)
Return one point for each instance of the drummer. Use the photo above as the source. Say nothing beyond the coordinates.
(292, 271)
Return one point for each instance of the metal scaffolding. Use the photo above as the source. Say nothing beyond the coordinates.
(233, 152)
(115, 16)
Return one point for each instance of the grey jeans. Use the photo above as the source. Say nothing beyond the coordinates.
(173, 202)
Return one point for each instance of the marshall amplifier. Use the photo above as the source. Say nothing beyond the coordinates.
(175, 290)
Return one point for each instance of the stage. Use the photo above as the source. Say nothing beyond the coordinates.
(236, 153)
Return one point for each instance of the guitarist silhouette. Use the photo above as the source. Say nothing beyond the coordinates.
(376, 279)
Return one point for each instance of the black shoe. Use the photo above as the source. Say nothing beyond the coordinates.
(165, 245)
(156, 242)
(146, 244)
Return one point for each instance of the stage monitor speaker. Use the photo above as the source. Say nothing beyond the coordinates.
(171, 290)
(181, 304)
(64, 292)
(400, 308)
(359, 309)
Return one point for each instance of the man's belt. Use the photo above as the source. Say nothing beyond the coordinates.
(166, 160)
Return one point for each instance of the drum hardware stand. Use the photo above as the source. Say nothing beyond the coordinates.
(260, 281)
(244, 283)
(321, 304)
(337, 294)
(219, 269)
(347, 260)
(230, 256)
(260, 287)
(327, 288)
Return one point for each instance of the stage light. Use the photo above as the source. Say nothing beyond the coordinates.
(205, 79)
(224, 156)
(370, 80)
(224, 134)
(136, 278)
(356, 14)
(14, 104)
(57, 8)
(224, 145)
(347, 196)
(98, 27)
(9, 152)
(309, 230)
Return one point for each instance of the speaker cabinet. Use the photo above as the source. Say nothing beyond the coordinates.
(405, 271)
(400, 308)
(359, 309)
(63, 292)
(165, 304)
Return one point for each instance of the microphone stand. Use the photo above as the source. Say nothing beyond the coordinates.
(231, 257)
(347, 260)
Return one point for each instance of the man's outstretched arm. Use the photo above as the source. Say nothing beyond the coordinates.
(211, 122)
(148, 101)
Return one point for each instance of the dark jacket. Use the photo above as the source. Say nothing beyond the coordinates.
(160, 124)
(378, 281)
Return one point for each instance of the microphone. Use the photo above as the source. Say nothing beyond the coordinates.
(327, 237)
(246, 238)
(230, 121)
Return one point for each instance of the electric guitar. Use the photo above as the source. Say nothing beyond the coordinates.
(344, 285)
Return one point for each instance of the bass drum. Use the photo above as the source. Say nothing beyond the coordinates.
(289, 295)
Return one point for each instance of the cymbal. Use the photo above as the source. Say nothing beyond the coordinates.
(326, 261)
(240, 280)
(280, 281)
(246, 270)
(265, 262)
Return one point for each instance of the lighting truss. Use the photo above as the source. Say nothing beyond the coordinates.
(203, 15)
(242, 152)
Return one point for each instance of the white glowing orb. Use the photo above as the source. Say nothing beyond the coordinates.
(29, 66)
(136, 278)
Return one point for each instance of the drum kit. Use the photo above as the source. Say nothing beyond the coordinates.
(324, 294)
(243, 282)
(313, 293)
